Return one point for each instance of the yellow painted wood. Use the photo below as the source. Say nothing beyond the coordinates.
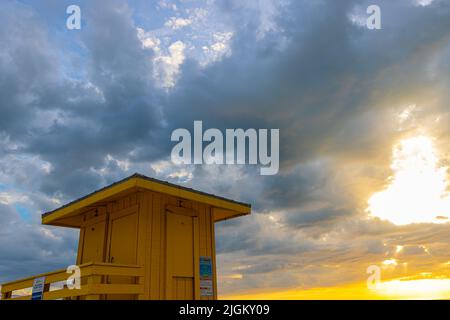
(93, 287)
(116, 289)
(113, 270)
(123, 240)
(182, 240)
(221, 214)
(74, 208)
(93, 242)
(196, 260)
(183, 288)
(156, 254)
(213, 254)
(69, 222)
(163, 244)
(191, 195)
(90, 282)
(142, 239)
(181, 255)
(123, 236)
(80, 246)
(181, 210)
(234, 209)
(146, 207)
(171, 287)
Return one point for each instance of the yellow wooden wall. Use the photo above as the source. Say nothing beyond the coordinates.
(151, 251)
(153, 210)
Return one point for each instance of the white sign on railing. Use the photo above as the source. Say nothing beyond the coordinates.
(38, 289)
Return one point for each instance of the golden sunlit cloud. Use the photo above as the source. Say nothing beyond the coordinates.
(417, 192)
(399, 249)
(390, 262)
(235, 276)
(432, 288)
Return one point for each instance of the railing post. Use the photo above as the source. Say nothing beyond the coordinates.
(90, 281)
(141, 282)
(6, 295)
(46, 289)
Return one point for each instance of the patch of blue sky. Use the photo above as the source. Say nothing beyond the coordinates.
(148, 15)
(24, 212)
(65, 43)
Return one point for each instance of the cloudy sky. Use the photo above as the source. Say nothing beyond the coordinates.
(363, 117)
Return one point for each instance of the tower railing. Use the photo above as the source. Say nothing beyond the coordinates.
(97, 281)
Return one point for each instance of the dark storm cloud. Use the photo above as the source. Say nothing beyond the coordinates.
(314, 217)
(26, 67)
(8, 214)
(114, 113)
(259, 237)
(28, 250)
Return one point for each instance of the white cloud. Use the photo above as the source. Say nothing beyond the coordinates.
(423, 3)
(12, 197)
(167, 67)
(219, 48)
(177, 23)
(165, 169)
(148, 40)
(164, 4)
(358, 16)
(166, 62)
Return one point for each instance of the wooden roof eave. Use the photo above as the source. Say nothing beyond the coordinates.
(65, 215)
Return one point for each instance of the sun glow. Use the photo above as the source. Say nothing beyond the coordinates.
(431, 288)
(415, 289)
(417, 191)
(390, 262)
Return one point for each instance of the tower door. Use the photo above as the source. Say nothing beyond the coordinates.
(93, 243)
(182, 254)
(92, 238)
(123, 236)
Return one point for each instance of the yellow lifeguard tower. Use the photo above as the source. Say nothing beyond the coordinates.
(140, 238)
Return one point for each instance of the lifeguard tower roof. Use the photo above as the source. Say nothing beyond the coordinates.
(66, 215)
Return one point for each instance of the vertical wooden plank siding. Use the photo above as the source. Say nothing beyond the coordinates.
(80, 246)
(142, 238)
(148, 199)
(152, 246)
(196, 260)
(171, 284)
(155, 247)
(213, 253)
(162, 247)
